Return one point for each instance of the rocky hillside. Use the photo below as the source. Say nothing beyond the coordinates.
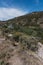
(21, 40)
(32, 19)
(30, 24)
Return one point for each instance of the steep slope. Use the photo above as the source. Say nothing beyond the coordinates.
(30, 24)
(21, 40)
(35, 18)
(15, 55)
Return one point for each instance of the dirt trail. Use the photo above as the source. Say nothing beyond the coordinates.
(15, 60)
(22, 58)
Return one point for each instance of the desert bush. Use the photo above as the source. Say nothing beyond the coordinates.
(29, 43)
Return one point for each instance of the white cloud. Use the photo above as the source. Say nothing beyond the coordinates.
(8, 13)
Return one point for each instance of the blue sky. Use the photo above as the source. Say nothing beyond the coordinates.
(13, 8)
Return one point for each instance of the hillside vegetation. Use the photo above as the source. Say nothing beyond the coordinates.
(30, 24)
(22, 35)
